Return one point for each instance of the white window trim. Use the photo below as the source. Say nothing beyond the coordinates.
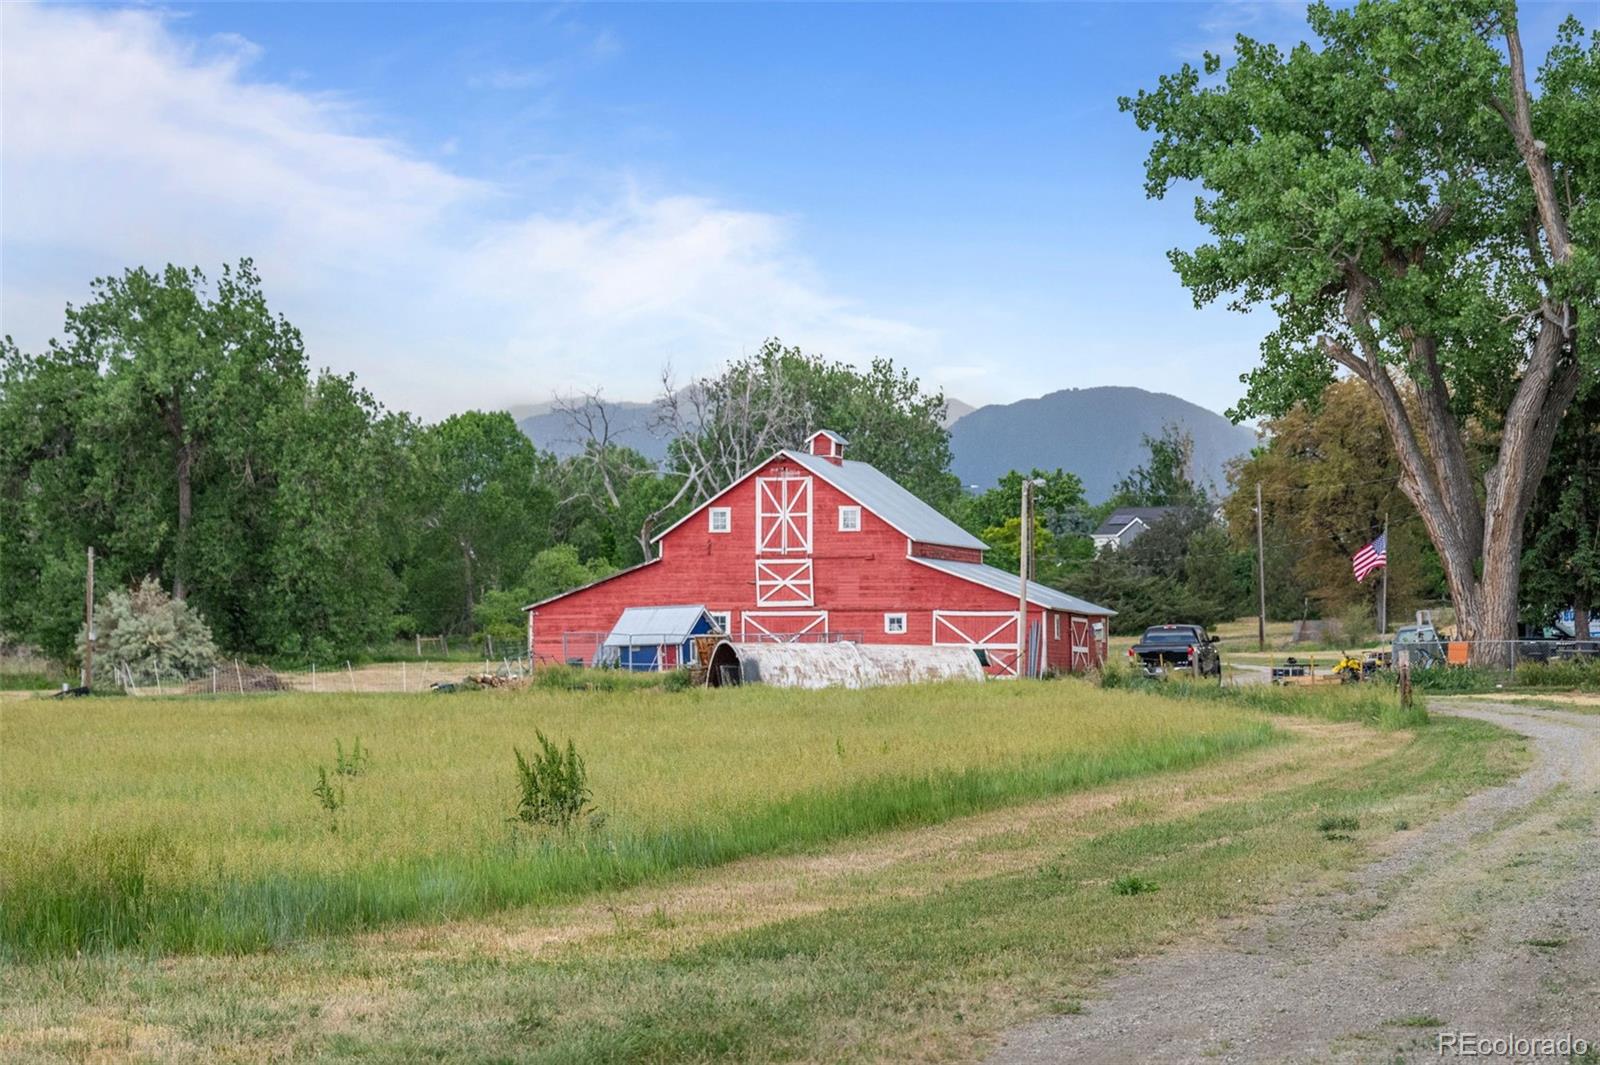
(850, 528)
(726, 514)
(723, 620)
(901, 631)
(1058, 626)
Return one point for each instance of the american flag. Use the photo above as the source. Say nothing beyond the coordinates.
(1371, 557)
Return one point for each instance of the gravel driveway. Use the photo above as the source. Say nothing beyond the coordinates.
(1486, 921)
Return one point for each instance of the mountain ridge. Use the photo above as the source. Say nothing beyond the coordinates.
(1097, 433)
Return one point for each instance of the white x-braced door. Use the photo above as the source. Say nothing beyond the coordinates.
(1081, 659)
(783, 582)
(994, 632)
(783, 515)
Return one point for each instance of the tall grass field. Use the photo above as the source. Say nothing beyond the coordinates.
(193, 825)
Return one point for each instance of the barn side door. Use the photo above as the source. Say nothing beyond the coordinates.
(1080, 644)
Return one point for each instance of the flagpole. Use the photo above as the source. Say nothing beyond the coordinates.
(1383, 593)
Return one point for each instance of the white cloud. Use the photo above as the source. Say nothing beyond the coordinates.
(125, 143)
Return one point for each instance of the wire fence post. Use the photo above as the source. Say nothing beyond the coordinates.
(403, 685)
(350, 673)
(238, 675)
(213, 680)
(313, 676)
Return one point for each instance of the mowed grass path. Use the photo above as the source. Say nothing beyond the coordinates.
(189, 825)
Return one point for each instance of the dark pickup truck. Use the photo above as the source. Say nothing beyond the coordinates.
(1167, 649)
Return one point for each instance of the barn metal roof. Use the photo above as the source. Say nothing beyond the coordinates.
(655, 624)
(879, 493)
(1001, 581)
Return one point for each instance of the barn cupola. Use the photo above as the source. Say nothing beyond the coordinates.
(827, 444)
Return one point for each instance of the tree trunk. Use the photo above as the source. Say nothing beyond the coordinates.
(466, 562)
(180, 566)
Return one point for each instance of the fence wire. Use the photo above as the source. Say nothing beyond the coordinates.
(241, 678)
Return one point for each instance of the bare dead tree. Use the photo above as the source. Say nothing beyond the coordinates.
(717, 428)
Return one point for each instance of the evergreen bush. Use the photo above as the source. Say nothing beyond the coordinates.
(153, 635)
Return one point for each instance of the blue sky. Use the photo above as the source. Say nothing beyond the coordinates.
(480, 205)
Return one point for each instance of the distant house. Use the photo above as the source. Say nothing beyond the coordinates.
(1127, 524)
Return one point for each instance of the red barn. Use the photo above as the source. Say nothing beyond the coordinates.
(811, 546)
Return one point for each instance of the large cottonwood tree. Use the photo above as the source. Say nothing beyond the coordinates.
(1419, 219)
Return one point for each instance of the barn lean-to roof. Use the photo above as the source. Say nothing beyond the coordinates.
(1001, 581)
(661, 624)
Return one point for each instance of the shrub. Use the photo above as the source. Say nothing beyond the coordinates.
(330, 797)
(579, 679)
(151, 634)
(1356, 626)
(1453, 679)
(1130, 884)
(355, 763)
(1571, 673)
(554, 785)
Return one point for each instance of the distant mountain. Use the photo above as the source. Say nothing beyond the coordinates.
(1096, 433)
(630, 426)
(955, 410)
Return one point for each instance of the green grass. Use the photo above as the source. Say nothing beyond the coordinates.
(32, 681)
(1369, 704)
(904, 967)
(172, 826)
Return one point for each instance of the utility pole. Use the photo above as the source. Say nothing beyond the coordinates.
(1026, 544)
(1383, 587)
(1261, 576)
(88, 624)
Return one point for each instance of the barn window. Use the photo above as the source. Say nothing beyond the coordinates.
(894, 623)
(721, 619)
(1058, 626)
(849, 519)
(721, 519)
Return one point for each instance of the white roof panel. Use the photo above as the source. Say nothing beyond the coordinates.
(879, 493)
(1001, 581)
(657, 624)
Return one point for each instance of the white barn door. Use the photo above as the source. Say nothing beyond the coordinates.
(783, 542)
(783, 515)
(994, 632)
(783, 626)
(1080, 644)
(783, 582)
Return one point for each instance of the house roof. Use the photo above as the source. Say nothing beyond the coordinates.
(656, 624)
(1009, 583)
(882, 495)
(830, 434)
(1123, 517)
